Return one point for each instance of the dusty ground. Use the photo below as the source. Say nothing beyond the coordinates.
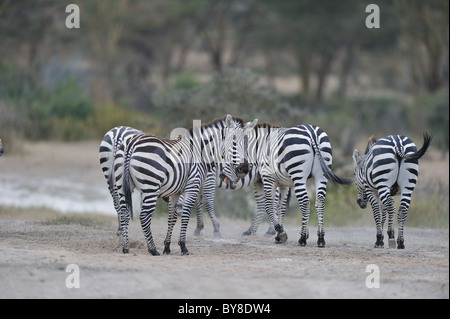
(34, 252)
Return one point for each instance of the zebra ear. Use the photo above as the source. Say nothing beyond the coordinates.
(229, 121)
(356, 157)
(250, 125)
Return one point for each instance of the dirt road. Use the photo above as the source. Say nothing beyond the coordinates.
(34, 257)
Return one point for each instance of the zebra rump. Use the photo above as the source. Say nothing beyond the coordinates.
(325, 168)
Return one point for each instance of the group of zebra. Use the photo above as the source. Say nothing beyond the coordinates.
(228, 153)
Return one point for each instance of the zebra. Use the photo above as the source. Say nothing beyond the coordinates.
(110, 144)
(388, 166)
(2, 149)
(167, 168)
(287, 157)
(212, 181)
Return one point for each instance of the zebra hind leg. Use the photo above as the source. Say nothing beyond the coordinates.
(401, 222)
(320, 208)
(124, 219)
(303, 200)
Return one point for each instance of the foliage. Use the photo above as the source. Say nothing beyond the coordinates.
(233, 91)
(437, 117)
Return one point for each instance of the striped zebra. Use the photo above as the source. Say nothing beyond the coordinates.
(168, 168)
(388, 166)
(213, 182)
(109, 146)
(1, 148)
(287, 157)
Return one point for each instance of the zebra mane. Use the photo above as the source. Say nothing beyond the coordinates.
(215, 121)
(265, 125)
(238, 120)
(372, 140)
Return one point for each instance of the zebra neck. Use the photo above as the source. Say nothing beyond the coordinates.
(261, 140)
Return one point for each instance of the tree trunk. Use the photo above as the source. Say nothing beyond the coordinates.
(322, 73)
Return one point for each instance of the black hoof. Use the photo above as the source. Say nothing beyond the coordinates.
(197, 231)
(247, 233)
(277, 240)
(184, 250)
(379, 244)
(302, 240)
(321, 242)
(154, 252)
(125, 250)
(281, 238)
(217, 234)
(166, 250)
(400, 244)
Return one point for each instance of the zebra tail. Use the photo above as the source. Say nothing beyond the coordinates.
(426, 142)
(331, 176)
(127, 186)
(327, 171)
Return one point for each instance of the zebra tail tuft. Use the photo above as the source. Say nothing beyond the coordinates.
(426, 143)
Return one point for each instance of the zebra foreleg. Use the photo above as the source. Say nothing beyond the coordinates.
(269, 195)
(199, 212)
(172, 219)
(189, 201)
(258, 191)
(390, 231)
(377, 217)
(388, 210)
(208, 200)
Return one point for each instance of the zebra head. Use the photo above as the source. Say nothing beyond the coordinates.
(360, 179)
(235, 150)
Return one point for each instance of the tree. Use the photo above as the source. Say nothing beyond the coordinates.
(425, 26)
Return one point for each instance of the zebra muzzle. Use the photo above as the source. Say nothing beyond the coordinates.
(361, 203)
(224, 178)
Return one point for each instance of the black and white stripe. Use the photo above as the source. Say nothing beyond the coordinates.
(168, 168)
(213, 182)
(109, 146)
(389, 166)
(287, 157)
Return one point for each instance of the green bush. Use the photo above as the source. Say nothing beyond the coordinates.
(185, 80)
(437, 117)
(233, 91)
